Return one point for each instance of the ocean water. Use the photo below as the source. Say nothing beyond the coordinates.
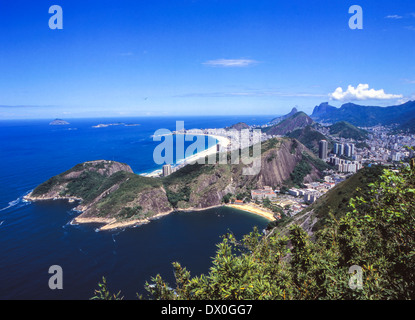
(35, 236)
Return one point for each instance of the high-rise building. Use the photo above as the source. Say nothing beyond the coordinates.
(340, 149)
(352, 148)
(167, 170)
(322, 149)
(336, 148)
(348, 150)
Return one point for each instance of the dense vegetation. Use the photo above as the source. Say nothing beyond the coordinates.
(91, 184)
(179, 184)
(337, 199)
(126, 193)
(346, 130)
(309, 137)
(87, 186)
(182, 195)
(303, 168)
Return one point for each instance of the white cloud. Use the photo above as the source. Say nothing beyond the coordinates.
(362, 92)
(406, 99)
(393, 16)
(230, 62)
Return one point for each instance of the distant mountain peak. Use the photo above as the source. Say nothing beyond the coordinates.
(321, 109)
(296, 121)
(279, 119)
(347, 130)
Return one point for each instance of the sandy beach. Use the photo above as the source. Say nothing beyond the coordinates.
(222, 141)
(253, 209)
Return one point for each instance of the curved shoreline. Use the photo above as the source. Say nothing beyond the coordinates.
(113, 223)
(223, 141)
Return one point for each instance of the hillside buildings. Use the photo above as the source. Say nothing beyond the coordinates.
(260, 194)
(347, 149)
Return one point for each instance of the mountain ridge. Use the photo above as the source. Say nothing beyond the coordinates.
(364, 116)
(281, 118)
(298, 120)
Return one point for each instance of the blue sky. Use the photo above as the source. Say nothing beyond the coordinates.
(202, 57)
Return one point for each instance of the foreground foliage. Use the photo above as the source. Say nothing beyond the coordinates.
(376, 234)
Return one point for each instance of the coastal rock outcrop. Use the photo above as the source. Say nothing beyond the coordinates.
(109, 191)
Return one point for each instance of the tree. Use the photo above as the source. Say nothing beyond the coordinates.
(266, 202)
(103, 293)
(226, 198)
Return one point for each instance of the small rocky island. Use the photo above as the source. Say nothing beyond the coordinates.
(110, 193)
(105, 125)
(58, 122)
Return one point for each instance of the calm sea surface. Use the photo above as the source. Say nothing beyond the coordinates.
(35, 236)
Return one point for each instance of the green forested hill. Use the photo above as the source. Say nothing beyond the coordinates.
(336, 200)
(346, 130)
(297, 121)
(309, 137)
